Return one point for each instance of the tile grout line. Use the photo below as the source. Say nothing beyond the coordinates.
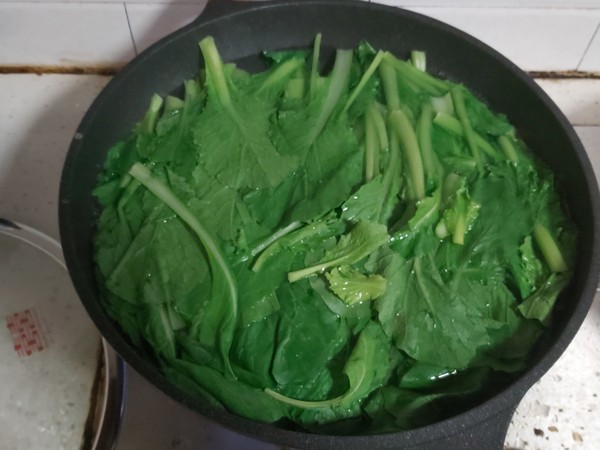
(587, 48)
(563, 74)
(135, 50)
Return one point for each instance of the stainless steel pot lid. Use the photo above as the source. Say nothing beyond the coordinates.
(61, 387)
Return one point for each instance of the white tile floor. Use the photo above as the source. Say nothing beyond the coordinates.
(591, 61)
(67, 34)
(38, 118)
(537, 35)
(564, 4)
(533, 38)
(579, 100)
(151, 21)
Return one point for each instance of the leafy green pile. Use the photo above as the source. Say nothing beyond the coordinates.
(348, 253)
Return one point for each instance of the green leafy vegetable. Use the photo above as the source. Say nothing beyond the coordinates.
(367, 368)
(406, 136)
(539, 304)
(363, 239)
(354, 287)
(458, 218)
(218, 332)
(363, 250)
(236, 129)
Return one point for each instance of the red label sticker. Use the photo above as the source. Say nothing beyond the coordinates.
(27, 332)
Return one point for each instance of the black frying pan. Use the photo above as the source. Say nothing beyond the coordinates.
(242, 31)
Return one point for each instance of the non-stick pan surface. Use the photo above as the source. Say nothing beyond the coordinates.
(241, 32)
